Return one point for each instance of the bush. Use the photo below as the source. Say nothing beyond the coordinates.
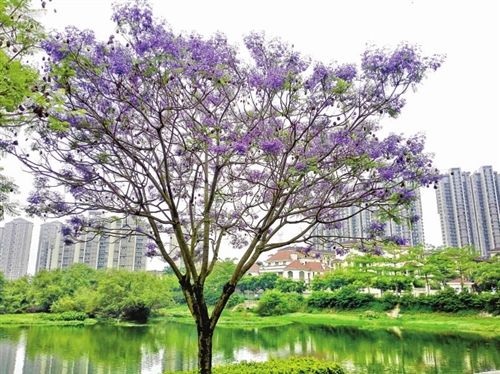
(388, 301)
(289, 285)
(294, 365)
(235, 299)
(275, 303)
(321, 300)
(345, 298)
(350, 298)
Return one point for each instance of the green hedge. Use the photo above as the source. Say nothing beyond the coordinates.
(444, 301)
(345, 298)
(294, 365)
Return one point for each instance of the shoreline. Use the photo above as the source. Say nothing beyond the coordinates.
(444, 323)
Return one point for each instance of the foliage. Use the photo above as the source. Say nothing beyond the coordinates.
(17, 297)
(289, 285)
(216, 281)
(67, 316)
(108, 294)
(486, 275)
(294, 365)
(130, 295)
(444, 301)
(261, 282)
(19, 33)
(275, 303)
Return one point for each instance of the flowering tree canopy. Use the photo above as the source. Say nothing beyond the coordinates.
(212, 149)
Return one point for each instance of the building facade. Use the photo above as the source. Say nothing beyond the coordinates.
(15, 248)
(293, 263)
(96, 251)
(469, 209)
(355, 228)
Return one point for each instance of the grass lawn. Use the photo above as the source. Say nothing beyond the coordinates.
(430, 322)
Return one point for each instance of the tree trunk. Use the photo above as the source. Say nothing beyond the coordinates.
(205, 334)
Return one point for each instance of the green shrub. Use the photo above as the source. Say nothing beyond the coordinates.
(235, 299)
(345, 298)
(388, 301)
(350, 298)
(275, 303)
(294, 365)
(321, 300)
(289, 285)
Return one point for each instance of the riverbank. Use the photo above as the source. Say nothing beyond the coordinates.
(28, 319)
(487, 326)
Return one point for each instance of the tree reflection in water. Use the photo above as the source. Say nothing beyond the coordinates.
(172, 346)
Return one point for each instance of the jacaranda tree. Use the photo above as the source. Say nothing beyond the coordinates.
(214, 150)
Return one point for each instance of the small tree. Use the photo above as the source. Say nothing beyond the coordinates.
(215, 151)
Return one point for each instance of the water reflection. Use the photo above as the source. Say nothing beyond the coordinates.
(170, 346)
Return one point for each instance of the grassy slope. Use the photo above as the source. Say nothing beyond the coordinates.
(431, 322)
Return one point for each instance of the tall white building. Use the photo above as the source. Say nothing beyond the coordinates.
(96, 251)
(50, 246)
(356, 227)
(15, 248)
(469, 209)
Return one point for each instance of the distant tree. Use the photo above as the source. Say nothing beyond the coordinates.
(486, 275)
(212, 150)
(130, 295)
(17, 297)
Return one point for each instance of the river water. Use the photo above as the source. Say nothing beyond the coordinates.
(160, 347)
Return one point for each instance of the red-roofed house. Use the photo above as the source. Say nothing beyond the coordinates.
(293, 263)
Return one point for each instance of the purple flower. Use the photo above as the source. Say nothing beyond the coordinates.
(346, 72)
(375, 229)
(35, 198)
(77, 191)
(396, 239)
(66, 230)
(219, 149)
(151, 249)
(414, 218)
(320, 73)
(273, 147)
(76, 222)
(240, 148)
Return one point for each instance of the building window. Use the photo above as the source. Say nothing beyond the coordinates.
(301, 275)
(290, 274)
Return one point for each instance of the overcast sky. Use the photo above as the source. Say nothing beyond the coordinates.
(457, 107)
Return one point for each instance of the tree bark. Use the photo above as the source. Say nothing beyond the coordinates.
(205, 334)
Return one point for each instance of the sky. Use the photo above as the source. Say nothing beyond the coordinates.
(456, 107)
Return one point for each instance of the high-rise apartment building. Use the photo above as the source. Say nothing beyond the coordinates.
(50, 245)
(410, 228)
(469, 209)
(15, 248)
(96, 251)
